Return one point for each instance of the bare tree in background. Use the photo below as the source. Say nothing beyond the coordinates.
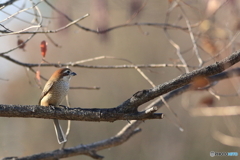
(134, 59)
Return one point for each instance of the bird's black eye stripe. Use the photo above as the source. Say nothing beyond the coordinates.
(66, 72)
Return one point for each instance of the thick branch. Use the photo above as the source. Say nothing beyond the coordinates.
(221, 76)
(95, 114)
(146, 95)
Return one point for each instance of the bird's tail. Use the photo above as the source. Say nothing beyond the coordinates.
(59, 132)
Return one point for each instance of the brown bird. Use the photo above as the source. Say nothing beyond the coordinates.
(54, 91)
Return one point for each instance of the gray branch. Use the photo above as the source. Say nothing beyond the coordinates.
(78, 114)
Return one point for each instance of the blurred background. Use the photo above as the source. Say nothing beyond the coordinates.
(214, 29)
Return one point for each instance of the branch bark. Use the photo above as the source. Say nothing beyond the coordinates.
(78, 114)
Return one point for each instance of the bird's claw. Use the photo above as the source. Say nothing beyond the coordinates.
(65, 107)
(52, 107)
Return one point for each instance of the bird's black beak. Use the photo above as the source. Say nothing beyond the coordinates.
(73, 74)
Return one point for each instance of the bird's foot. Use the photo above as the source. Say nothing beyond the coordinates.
(65, 107)
(52, 107)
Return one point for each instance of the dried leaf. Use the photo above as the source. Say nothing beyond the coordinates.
(21, 44)
(200, 82)
(43, 47)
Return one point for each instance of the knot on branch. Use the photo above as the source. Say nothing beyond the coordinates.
(139, 94)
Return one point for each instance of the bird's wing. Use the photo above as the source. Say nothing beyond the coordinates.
(45, 91)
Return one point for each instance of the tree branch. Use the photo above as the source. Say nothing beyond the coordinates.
(78, 114)
(9, 32)
(221, 76)
(144, 96)
(128, 110)
(7, 3)
(162, 25)
(72, 64)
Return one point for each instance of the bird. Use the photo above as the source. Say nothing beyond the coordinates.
(54, 91)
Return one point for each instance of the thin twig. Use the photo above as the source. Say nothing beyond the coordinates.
(175, 45)
(48, 31)
(77, 64)
(192, 37)
(45, 17)
(23, 10)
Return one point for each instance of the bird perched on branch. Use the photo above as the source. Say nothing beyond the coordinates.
(54, 91)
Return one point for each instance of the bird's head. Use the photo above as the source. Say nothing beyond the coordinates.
(62, 74)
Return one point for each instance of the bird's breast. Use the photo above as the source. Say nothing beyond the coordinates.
(56, 94)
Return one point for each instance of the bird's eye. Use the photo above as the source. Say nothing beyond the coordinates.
(67, 72)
